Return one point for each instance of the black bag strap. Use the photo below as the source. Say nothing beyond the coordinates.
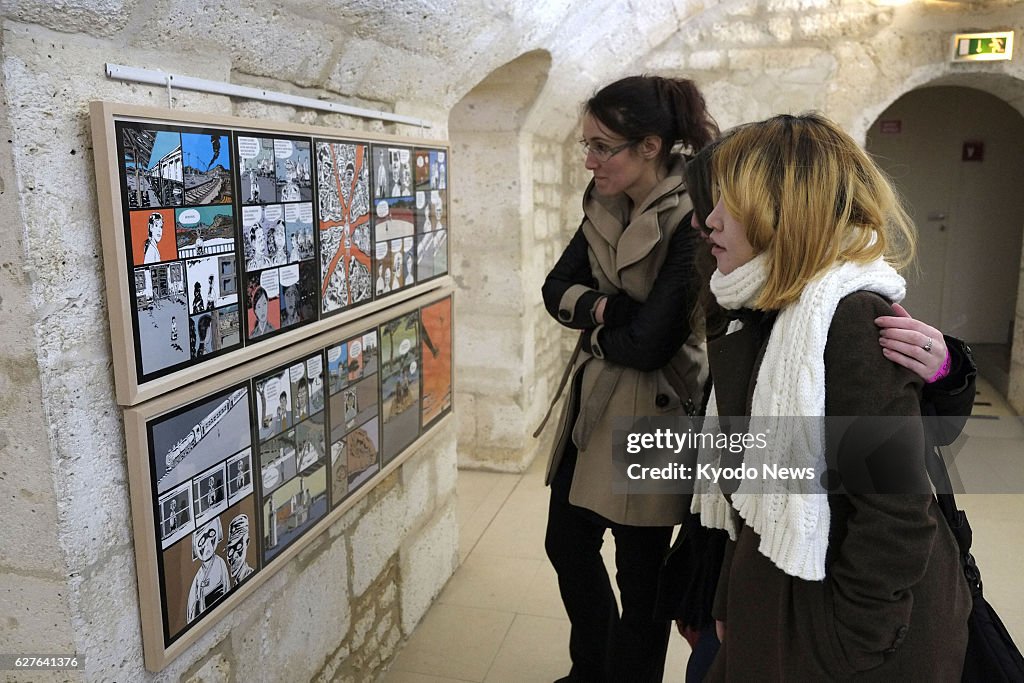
(954, 516)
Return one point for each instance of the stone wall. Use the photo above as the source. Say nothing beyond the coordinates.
(67, 561)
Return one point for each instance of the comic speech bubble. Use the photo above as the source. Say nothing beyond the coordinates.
(297, 372)
(382, 209)
(333, 354)
(272, 390)
(315, 366)
(403, 154)
(272, 212)
(404, 347)
(269, 282)
(407, 243)
(250, 215)
(188, 217)
(289, 275)
(419, 161)
(355, 348)
(306, 212)
(248, 148)
(440, 157)
(412, 368)
(283, 149)
(270, 477)
(421, 199)
(382, 250)
(291, 213)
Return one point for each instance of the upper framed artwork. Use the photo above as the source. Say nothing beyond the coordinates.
(231, 476)
(222, 233)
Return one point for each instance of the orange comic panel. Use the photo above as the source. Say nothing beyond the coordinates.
(153, 238)
(437, 359)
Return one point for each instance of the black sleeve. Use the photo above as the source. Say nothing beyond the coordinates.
(948, 402)
(569, 291)
(653, 331)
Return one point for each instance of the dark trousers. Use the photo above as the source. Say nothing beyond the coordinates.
(604, 645)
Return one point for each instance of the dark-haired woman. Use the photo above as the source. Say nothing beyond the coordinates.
(623, 281)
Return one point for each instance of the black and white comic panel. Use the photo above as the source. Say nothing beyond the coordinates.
(292, 452)
(201, 463)
(353, 382)
(177, 190)
(400, 384)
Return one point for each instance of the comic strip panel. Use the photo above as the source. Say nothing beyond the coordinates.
(147, 235)
(205, 231)
(160, 309)
(298, 294)
(353, 405)
(174, 514)
(362, 452)
(400, 384)
(257, 169)
(294, 182)
(198, 437)
(293, 508)
(299, 232)
(151, 164)
(207, 168)
(392, 172)
(204, 567)
(436, 335)
(263, 307)
(274, 404)
(343, 188)
(309, 443)
(356, 358)
(337, 367)
(393, 218)
(209, 494)
(277, 461)
(239, 476)
(431, 211)
(396, 263)
(431, 254)
(430, 169)
(264, 237)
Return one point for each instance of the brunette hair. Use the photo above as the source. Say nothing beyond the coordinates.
(707, 316)
(673, 109)
(811, 197)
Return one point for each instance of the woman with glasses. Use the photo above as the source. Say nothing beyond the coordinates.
(624, 281)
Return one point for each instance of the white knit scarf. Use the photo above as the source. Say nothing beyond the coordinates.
(790, 516)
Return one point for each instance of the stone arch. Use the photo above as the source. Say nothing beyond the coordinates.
(497, 168)
(999, 82)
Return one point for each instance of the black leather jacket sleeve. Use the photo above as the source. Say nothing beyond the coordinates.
(570, 276)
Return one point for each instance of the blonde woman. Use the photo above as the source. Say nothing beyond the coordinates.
(807, 233)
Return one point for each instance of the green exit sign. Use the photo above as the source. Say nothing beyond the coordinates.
(982, 47)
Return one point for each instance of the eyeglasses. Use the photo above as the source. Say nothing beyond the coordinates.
(207, 536)
(601, 151)
(238, 547)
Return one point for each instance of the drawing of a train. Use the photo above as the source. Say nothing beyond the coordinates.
(179, 450)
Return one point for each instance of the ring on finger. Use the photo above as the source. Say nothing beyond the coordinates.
(927, 345)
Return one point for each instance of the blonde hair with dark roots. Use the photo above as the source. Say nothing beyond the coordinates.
(811, 197)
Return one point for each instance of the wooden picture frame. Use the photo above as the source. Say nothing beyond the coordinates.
(227, 485)
(178, 197)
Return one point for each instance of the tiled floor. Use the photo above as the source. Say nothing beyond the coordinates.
(500, 617)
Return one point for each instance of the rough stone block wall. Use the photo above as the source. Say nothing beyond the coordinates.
(67, 567)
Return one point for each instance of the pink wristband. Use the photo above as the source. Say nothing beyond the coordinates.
(943, 371)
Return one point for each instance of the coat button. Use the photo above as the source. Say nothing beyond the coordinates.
(901, 633)
(661, 400)
(564, 314)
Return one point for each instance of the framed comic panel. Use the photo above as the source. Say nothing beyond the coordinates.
(231, 476)
(222, 233)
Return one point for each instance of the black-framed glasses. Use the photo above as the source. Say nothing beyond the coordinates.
(601, 151)
(207, 536)
(238, 546)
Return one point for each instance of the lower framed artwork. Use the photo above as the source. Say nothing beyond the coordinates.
(232, 476)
